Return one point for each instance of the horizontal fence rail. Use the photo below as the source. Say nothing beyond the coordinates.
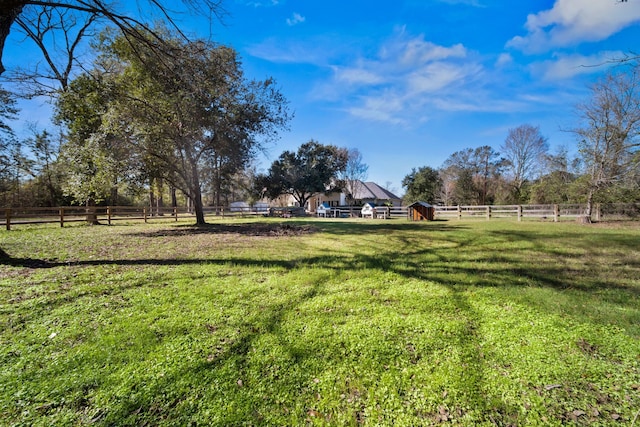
(554, 212)
(110, 214)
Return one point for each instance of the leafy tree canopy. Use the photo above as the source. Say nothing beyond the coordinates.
(312, 169)
(422, 184)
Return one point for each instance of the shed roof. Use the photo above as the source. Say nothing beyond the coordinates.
(423, 204)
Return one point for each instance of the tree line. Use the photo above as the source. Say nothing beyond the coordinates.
(155, 114)
(605, 167)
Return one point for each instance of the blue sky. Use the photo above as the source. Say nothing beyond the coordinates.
(409, 82)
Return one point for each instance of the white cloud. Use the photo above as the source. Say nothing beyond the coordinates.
(406, 80)
(274, 50)
(387, 107)
(357, 76)
(295, 19)
(571, 22)
(475, 3)
(439, 76)
(399, 84)
(504, 59)
(568, 66)
(414, 51)
(267, 3)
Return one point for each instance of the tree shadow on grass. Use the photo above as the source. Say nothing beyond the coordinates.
(263, 229)
(452, 267)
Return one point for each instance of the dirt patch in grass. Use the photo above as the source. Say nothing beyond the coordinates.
(247, 229)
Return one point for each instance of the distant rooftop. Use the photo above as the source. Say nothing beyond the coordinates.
(371, 190)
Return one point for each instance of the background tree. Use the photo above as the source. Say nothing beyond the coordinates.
(488, 166)
(608, 136)
(41, 172)
(557, 184)
(465, 191)
(448, 178)
(8, 111)
(461, 168)
(423, 184)
(314, 168)
(96, 159)
(524, 150)
(476, 174)
(354, 173)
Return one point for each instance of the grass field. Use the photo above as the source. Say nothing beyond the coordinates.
(321, 322)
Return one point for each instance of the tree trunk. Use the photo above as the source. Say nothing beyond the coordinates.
(92, 217)
(160, 198)
(114, 196)
(199, 209)
(174, 197)
(196, 193)
(152, 197)
(589, 209)
(7, 18)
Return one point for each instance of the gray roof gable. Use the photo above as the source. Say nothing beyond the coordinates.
(371, 190)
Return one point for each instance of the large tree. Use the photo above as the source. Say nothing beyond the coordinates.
(97, 157)
(196, 112)
(609, 132)
(423, 184)
(313, 169)
(524, 150)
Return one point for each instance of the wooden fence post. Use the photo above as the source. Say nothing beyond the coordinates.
(109, 215)
(488, 212)
(175, 212)
(459, 212)
(61, 217)
(519, 212)
(144, 214)
(556, 213)
(7, 213)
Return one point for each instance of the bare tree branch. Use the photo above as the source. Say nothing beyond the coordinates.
(133, 28)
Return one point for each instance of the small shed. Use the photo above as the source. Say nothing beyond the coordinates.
(324, 210)
(422, 211)
(368, 210)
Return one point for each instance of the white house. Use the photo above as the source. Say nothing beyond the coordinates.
(364, 192)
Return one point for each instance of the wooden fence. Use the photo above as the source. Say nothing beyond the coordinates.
(111, 214)
(553, 212)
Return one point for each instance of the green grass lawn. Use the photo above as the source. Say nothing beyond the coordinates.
(321, 322)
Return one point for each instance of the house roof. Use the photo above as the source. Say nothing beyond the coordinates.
(371, 190)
